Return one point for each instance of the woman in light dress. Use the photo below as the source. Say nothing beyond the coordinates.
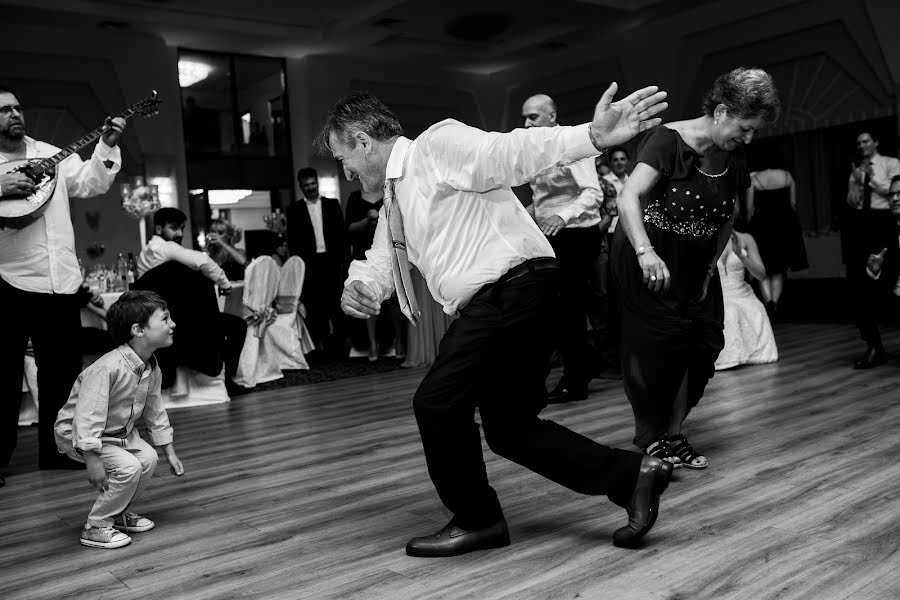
(748, 332)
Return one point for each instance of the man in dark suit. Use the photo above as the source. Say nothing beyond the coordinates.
(881, 289)
(316, 233)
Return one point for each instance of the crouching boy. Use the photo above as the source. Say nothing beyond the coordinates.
(97, 424)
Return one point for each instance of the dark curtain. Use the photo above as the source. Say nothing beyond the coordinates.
(820, 161)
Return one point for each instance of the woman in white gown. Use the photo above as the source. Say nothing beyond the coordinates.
(748, 333)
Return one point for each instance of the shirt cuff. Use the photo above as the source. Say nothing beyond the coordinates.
(91, 444)
(162, 437)
(105, 152)
(871, 274)
(578, 139)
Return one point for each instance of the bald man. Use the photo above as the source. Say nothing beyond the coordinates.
(566, 206)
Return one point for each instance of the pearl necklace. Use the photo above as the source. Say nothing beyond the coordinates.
(710, 175)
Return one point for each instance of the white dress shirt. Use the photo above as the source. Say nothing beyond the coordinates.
(41, 257)
(158, 251)
(571, 192)
(315, 217)
(464, 226)
(884, 168)
(108, 399)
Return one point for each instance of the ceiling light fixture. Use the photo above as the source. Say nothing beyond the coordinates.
(219, 197)
(191, 72)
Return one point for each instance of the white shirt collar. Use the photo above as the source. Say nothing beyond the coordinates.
(397, 159)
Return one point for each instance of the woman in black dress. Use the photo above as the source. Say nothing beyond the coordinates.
(772, 212)
(688, 176)
(362, 217)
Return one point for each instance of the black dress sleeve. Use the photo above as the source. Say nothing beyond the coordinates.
(742, 173)
(664, 150)
(354, 207)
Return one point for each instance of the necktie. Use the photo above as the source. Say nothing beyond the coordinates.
(399, 258)
(867, 189)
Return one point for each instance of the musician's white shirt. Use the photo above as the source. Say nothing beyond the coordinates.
(40, 257)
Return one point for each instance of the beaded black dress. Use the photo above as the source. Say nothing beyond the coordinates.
(668, 335)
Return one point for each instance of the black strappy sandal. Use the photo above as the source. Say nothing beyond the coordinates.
(689, 457)
(662, 450)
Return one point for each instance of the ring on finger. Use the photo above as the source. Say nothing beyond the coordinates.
(653, 278)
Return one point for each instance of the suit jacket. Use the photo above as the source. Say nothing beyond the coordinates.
(301, 237)
(890, 268)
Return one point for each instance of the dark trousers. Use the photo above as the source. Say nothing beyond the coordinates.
(576, 250)
(875, 300)
(235, 330)
(495, 357)
(614, 306)
(53, 323)
(865, 232)
(322, 288)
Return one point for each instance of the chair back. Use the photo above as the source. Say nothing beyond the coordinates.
(260, 288)
(290, 285)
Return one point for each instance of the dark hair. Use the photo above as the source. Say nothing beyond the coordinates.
(5, 89)
(268, 243)
(359, 111)
(747, 93)
(135, 306)
(872, 135)
(617, 149)
(306, 173)
(168, 216)
(894, 179)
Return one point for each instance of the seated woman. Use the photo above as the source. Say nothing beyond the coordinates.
(748, 332)
(221, 248)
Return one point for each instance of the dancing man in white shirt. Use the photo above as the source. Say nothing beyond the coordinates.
(39, 278)
(484, 257)
(566, 206)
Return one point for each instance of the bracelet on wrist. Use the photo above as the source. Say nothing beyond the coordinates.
(641, 250)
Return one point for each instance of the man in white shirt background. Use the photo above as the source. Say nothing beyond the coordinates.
(566, 204)
(449, 210)
(39, 278)
(868, 224)
(207, 338)
(880, 291)
(316, 233)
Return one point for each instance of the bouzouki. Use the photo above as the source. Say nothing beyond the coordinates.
(17, 210)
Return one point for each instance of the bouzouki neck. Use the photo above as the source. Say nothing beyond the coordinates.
(40, 167)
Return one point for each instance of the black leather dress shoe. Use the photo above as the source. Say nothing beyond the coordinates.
(563, 393)
(566, 395)
(452, 540)
(644, 506)
(872, 358)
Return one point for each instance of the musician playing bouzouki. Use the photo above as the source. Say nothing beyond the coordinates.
(39, 276)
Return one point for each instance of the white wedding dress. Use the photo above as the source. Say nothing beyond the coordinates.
(748, 333)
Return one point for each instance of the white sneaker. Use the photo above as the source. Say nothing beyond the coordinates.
(133, 523)
(103, 537)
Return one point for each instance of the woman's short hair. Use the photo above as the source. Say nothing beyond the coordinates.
(359, 111)
(747, 93)
(135, 306)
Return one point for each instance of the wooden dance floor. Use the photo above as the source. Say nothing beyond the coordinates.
(312, 492)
